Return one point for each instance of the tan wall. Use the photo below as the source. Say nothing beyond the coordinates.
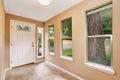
(7, 36)
(2, 38)
(77, 66)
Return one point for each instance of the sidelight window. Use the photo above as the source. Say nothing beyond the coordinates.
(40, 41)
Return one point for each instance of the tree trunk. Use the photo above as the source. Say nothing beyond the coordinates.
(96, 46)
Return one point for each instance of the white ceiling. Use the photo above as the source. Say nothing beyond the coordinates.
(33, 10)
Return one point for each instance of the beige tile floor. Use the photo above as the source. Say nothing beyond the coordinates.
(40, 71)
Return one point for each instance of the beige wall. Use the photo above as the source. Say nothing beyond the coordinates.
(77, 66)
(2, 38)
(7, 36)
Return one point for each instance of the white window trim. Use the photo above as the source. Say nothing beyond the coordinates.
(100, 36)
(66, 58)
(42, 42)
(100, 67)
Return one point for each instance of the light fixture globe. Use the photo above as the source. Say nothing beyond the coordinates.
(44, 2)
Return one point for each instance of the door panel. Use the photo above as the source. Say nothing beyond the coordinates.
(22, 51)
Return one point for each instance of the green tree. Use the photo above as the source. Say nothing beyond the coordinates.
(67, 27)
(106, 17)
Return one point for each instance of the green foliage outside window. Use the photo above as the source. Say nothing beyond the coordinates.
(66, 27)
(106, 17)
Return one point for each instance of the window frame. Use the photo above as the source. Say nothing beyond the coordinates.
(49, 38)
(61, 43)
(42, 29)
(100, 67)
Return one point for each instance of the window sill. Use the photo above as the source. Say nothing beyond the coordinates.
(99, 67)
(50, 53)
(67, 58)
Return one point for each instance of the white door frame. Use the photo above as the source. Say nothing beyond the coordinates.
(34, 55)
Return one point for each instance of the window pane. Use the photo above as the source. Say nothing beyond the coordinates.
(99, 49)
(51, 39)
(67, 37)
(40, 37)
(51, 31)
(100, 21)
(51, 45)
(67, 47)
(67, 28)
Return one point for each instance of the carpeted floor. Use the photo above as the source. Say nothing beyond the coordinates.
(41, 71)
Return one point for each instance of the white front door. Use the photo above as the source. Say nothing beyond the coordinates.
(22, 47)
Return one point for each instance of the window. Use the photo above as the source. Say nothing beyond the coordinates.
(40, 42)
(67, 37)
(23, 28)
(99, 28)
(51, 39)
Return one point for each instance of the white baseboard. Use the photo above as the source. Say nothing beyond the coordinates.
(5, 72)
(39, 61)
(65, 71)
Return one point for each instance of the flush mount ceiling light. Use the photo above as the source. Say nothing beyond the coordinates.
(44, 2)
